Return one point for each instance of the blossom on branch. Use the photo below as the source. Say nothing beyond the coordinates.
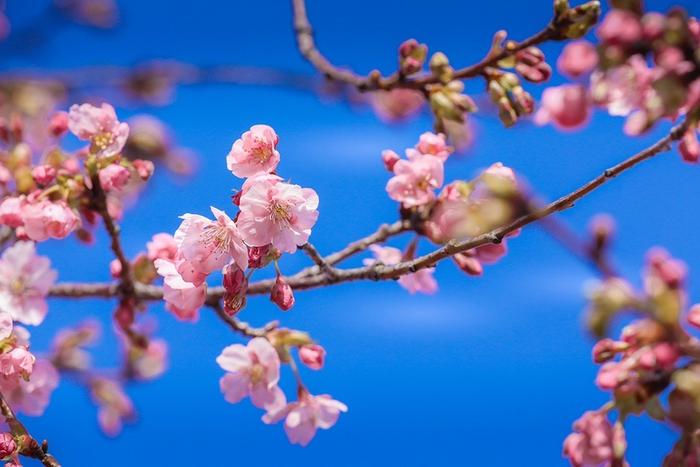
(100, 126)
(256, 151)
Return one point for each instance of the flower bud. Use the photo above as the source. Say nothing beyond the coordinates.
(43, 175)
(440, 67)
(58, 125)
(282, 294)
(578, 20)
(260, 256)
(694, 316)
(312, 355)
(532, 66)
(690, 146)
(469, 264)
(390, 158)
(411, 56)
(7, 445)
(144, 168)
(236, 285)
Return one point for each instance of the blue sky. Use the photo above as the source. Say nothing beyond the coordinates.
(490, 371)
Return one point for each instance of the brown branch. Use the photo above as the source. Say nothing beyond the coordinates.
(302, 281)
(29, 446)
(374, 81)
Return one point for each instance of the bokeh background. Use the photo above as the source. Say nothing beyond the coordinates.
(490, 371)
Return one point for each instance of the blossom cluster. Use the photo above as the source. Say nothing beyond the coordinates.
(462, 209)
(645, 67)
(639, 368)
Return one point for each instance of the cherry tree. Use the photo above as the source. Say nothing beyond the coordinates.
(620, 59)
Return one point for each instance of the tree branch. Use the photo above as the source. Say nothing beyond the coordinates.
(374, 81)
(29, 446)
(312, 278)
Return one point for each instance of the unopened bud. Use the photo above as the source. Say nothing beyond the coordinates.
(260, 256)
(282, 294)
(606, 349)
(144, 168)
(58, 125)
(43, 175)
(469, 264)
(412, 56)
(236, 285)
(313, 356)
(390, 158)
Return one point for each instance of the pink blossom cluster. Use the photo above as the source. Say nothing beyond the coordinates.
(254, 371)
(645, 68)
(52, 196)
(274, 217)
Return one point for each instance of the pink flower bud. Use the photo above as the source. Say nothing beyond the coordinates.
(143, 168)
(236, 285)
(282, 294)
(7, 445)
(690, 146)
(577, 58)
(115, 268)
(312, 355)
(412, 56)
(469, 264)
(58, 125)
(114, 177)
(390, 158)
(694, 316)
(653, 24)
(43, 174)
(532, 66)
(260, 256)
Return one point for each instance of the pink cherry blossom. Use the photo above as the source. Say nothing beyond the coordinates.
(5, 324)
(415, 180)
(277, 213)
(11, 211)
(16, 363)
(184, 289)
(566, 106)
(25, 280)
(577, 58)
(44, 219)
(420, 281)
(434, 145)
(305, 416)
(591, 443)
(693, 317)
(151, 362)
(256, 151)
(32, 397)
(58, 124)
(162, 245)
(114, 177)
(114, 404)
(620, 27)
(100, 126)
(8, 447)
(624, 88)
(210, 245)
(312, 355)
(253, 370)
(397, 104)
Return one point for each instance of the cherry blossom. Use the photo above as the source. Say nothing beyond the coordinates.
(44, 219)
(256, 151)
(253, 370)
(162, 245)
(100, 126)
(415, 180)
(305, 416)
(277, 213)
(33, 396)
(434, 145)
(209, 245)
(591, 443)
(114, 177)
(184, 289)
(577, 58)
(566, 106)
(25, 280)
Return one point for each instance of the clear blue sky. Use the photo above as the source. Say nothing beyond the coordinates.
(490, 371)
